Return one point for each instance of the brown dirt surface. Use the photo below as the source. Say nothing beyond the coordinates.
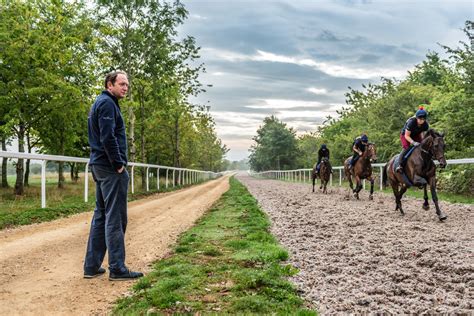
(41, 265)
(360, 256)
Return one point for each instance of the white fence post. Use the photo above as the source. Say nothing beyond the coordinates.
(132, 178)
(43, 184)
(381, 178)
(147, 177)
(340, 177)
(86, 184)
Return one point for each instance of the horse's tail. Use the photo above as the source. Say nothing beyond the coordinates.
(385, 175)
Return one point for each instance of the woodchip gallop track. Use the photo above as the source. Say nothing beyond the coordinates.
(363, 256)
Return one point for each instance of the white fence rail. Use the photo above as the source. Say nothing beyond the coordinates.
(185, 176)
(300, 174)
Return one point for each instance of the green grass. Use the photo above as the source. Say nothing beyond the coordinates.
(227, 263)
(26, 209)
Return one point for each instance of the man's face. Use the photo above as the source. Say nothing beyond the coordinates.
(420, 120)
(120, 88)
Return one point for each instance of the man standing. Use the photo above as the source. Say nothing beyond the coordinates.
(108, 160)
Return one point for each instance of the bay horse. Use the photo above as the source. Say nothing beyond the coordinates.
(324, 174)
(362, 170)
(420, 171)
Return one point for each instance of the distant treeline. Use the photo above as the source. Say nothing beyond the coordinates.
(380, 110)
(54, 56)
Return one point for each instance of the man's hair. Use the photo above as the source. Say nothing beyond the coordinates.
(112, 77)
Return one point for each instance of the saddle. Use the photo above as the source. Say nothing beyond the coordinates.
(418, 181)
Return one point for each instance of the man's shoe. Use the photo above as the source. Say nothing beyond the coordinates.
(88, 275)
(124, 275)
(399, 169)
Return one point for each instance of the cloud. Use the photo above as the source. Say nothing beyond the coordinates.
(331, 69)
(296, 60)
(317, 91)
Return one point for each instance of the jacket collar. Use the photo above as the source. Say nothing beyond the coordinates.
(112, 97)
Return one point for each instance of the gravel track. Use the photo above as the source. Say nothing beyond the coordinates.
(362, 256)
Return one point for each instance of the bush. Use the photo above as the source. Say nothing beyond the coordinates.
(458, 179)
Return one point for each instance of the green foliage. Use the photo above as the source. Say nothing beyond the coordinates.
(275, 146)
(381, 110)
(228, 263)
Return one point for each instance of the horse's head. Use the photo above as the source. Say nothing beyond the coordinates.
(435, 146)
(372, 152)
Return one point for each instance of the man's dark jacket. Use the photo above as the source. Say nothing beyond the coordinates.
(106, 130)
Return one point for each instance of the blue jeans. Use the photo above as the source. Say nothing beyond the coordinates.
(110, 220)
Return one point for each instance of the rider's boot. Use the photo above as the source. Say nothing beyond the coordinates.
(403, 161)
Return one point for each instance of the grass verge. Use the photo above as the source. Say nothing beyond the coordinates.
(227, 263)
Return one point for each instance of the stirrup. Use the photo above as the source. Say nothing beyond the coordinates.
(399, 169)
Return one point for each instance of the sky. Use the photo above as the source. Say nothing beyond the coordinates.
(296, 59)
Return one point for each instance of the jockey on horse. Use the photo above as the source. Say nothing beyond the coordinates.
(359, 165)
(358, 147)
(419, 168)
(322, 153)
(412, 134)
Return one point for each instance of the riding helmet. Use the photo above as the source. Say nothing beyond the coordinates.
(364, 138)
(421, 113)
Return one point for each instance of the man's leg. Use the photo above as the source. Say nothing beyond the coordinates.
(96, 246)
(115, 187)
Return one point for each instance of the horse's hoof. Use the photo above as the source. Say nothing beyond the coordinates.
(371, 197)
(442, 217)
(426, 207)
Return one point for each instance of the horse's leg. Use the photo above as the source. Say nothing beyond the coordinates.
(400, 195)
(441, 215)
(371, 196)
(313, 177)
(426, 205)
(357, 188)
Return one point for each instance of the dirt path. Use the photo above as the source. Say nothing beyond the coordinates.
(41, 265)
(362, 256)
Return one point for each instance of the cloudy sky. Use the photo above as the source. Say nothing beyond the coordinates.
(296, 59)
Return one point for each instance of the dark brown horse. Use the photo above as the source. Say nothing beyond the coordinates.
(420, 171)
(362, 170)
(324, 174)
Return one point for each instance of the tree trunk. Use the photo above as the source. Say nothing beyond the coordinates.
(61, 178)
(142, 137)
(176, 154)
(76, 173)
(4, 164)
(19, 188)
(27, 169)
(71, 170)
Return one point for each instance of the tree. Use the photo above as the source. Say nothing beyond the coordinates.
(275, 146)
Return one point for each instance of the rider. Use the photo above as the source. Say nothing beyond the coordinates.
(358, 148)
(412, 134)
(323, 152)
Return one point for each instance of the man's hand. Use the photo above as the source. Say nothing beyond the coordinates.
(121, 169)
(415, 144)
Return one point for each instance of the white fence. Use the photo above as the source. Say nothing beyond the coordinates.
(300, 174)
(185, 176)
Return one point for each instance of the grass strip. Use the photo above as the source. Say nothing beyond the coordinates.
(227, 263)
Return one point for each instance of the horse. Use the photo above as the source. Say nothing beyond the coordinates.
(362, 170)
(420, 171)
(324, 174)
